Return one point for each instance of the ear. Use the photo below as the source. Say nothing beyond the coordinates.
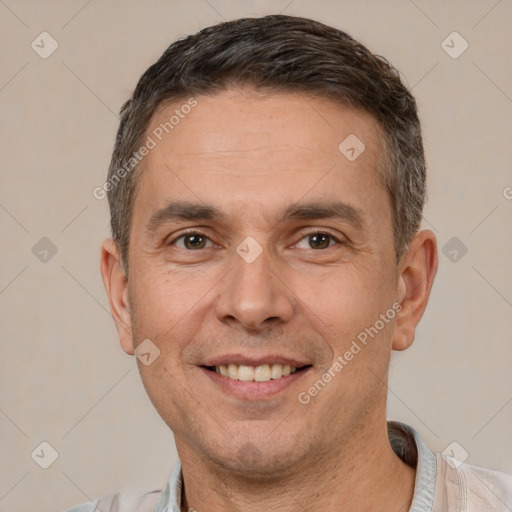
(417, 270)
(116, 285)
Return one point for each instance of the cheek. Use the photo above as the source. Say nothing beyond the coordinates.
(163, 301)
(162, 310)
(365, 333)
(348, 300)
(360, 338)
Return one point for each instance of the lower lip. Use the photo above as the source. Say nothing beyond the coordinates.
(254, 390)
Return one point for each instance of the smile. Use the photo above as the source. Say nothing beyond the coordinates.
(258, 376)
(260, 373)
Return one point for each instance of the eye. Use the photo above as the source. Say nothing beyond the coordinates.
(318, 240)
(192, 241)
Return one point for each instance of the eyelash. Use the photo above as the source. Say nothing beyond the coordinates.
(311, 233)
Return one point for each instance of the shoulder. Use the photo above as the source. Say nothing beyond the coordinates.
(129, 500)
(478, 488)
(487, 487)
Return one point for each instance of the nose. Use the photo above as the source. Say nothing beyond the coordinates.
(253, 295)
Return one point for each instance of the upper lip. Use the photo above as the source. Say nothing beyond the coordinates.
(239, 359)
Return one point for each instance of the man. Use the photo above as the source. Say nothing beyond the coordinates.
(266, 192)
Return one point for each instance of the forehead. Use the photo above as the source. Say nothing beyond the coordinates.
(246, 119)
(242, 146)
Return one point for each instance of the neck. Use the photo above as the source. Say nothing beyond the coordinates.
(363, 475)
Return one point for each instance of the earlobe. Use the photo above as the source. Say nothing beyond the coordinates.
(418, 270)
(116, 285)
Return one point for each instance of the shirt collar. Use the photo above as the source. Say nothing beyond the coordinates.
(170, 498)
(402, 440)
(426, 473)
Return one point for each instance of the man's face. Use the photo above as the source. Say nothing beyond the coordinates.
(245, 280)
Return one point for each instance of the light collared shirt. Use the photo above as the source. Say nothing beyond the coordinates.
(443, 483)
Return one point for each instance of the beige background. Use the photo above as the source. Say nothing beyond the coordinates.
(64, 378)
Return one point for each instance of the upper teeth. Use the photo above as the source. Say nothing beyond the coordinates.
(262, 373)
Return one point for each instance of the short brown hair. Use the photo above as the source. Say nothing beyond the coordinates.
(280, 53)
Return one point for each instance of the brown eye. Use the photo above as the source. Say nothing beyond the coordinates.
(318, 240)
(191, 241)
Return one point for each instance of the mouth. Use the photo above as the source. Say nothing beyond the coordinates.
(260, 373)
(255, 376)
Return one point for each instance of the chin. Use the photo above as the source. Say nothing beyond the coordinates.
(258, 459)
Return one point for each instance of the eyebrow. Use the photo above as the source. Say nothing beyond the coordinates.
(325, 210)
(186, 210)
(183, 210)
